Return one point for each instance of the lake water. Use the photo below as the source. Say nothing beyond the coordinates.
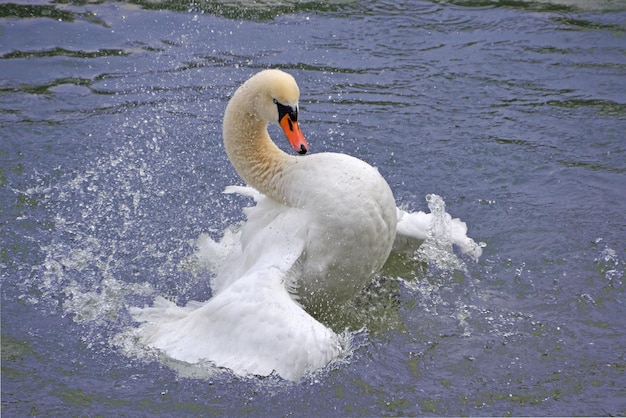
(112, 166)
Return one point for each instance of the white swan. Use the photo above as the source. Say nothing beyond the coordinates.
(322, 227)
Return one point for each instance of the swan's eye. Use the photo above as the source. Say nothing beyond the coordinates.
(286, 110)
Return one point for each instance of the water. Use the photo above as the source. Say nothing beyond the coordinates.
(112, 167)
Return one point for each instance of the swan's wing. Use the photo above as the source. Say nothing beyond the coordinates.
(274, 236)
(244, 191)
(458, 232)
(252, 327)
(252, 324)
(413, 228)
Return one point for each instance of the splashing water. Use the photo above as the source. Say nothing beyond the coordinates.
(443, 232)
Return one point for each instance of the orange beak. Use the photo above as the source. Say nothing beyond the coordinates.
(294, 135)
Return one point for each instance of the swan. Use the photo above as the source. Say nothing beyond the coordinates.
(322, 227)
(345, 212)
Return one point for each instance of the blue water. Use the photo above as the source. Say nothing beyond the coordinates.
(111, 166)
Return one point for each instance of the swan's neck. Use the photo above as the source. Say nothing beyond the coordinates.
(258, 161)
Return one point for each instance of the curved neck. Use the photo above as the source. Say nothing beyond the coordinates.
(258, 161)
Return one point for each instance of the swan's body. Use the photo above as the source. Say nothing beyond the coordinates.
(342, 215)
(323, 226)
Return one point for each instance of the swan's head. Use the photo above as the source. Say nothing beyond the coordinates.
(277, 102)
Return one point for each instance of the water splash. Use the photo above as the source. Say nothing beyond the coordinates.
(443, 232)
(609, 264)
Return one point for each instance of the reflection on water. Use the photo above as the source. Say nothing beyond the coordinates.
(112, 167)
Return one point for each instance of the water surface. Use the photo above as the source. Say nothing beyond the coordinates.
(112, 166)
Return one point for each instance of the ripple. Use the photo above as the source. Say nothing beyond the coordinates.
(547, 5)
(603, 107)
(55, 52)
(24, 11)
